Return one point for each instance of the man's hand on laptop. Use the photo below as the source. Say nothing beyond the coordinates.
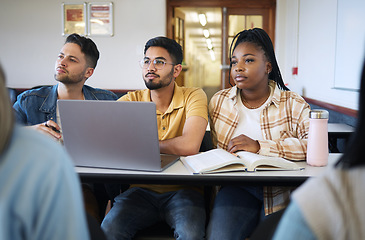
(49, 127)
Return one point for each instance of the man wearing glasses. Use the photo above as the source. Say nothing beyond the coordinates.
(182, 120)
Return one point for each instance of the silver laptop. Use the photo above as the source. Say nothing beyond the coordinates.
(110, 134)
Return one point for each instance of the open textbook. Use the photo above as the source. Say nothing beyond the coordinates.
(219, 160)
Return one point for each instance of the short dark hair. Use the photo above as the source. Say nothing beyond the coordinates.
(172, 47)
(88, 47)
(261, 39)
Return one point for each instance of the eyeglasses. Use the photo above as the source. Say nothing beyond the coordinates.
(157, 63)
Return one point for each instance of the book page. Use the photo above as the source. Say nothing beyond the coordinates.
(249, 157)
(228, 168)
(254, 160)
(210, 159)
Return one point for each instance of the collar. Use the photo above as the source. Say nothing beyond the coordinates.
(88, 95)
(275, 96)
(277, 93)
(233, 94)
(50, 101)
(177, 98)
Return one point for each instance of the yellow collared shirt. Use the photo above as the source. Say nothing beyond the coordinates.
(186, 102)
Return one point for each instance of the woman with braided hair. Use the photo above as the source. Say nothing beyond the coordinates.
(260, 115)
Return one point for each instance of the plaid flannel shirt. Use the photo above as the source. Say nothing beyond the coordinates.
(284, 125)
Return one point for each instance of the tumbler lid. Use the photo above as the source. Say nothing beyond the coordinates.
(319, 113)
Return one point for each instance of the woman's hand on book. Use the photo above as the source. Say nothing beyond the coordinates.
(243, 143)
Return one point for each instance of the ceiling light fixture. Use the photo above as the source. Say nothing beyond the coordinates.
(209, 43)
(206, 33)
(212, 55)
(202, 19)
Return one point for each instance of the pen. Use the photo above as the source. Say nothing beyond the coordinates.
(236, 155)
(53, 128)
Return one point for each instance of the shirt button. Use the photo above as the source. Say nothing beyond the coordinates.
(163, 117)
(163, 128)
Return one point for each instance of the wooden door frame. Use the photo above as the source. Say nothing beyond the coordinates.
(269, 4)
(264, 12)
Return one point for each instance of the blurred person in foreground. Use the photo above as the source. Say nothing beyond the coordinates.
(331, 206)
(40, 194)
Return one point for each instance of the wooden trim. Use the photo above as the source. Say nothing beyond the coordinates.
(343, 110)
(220, 3)
(116, 91)
(20, 90)
(265, 7)
(121, 91)
(248, 4)
(169, 20)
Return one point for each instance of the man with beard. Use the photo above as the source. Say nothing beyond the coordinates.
(182, 119)
(74, 65)
(37, 108)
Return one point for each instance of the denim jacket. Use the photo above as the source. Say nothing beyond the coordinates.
(39, 105)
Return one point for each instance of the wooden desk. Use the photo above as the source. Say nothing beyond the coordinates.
(178, 174)
(337, 131)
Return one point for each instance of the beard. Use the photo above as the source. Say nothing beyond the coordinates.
(67, 79)
(162, 83)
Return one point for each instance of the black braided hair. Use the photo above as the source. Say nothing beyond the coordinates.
(261, 39)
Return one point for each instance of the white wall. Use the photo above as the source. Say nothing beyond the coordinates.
(31, 37)
(314, 51)
(286, 39)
